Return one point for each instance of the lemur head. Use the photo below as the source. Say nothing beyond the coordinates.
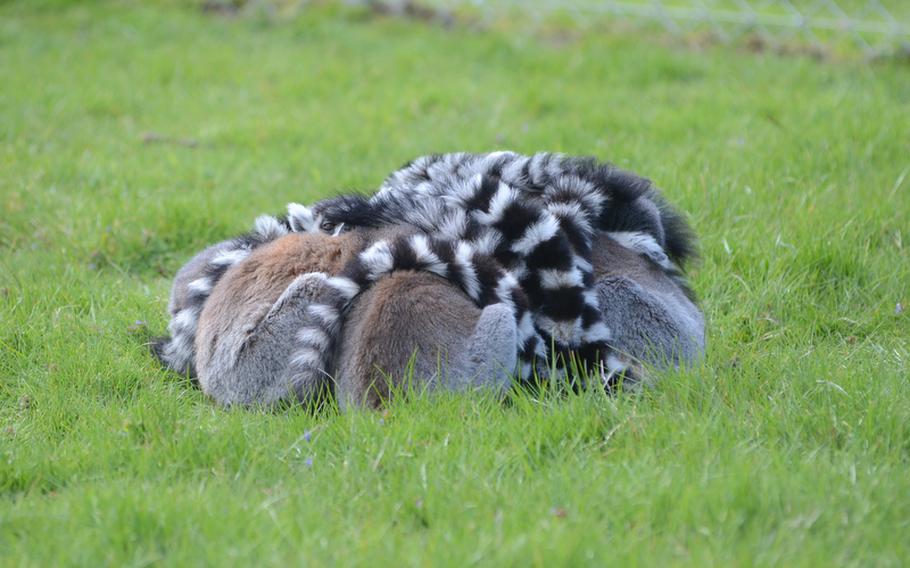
(332, 216)
(345, 211)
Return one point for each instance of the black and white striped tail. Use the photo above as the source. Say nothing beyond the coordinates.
(544, 175)
(607, 198)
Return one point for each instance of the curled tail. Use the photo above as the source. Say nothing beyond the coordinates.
(177, 352)
(477, 274)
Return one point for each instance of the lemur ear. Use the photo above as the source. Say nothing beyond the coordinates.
(268, 228)
(301, 218)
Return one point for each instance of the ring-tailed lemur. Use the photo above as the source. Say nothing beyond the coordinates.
(478, 275)
(263, 333)
(193, 285)
(408, 323)
(656, 321)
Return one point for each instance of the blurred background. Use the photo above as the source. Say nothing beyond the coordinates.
(875, 27)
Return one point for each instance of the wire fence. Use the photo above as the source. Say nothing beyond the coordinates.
(877, 27)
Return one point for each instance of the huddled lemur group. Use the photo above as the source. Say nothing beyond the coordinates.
(462, 270)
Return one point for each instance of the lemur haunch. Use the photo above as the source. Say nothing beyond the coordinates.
(407, 323)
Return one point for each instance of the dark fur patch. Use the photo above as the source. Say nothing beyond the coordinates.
(680, 239)
(353, 210)
(515, 220)
(480, 201)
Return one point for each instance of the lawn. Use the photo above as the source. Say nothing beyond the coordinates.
(131, 136)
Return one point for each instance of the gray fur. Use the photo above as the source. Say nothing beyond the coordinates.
(176, 351)
(653, 319)
(179, 297)
(488, 355)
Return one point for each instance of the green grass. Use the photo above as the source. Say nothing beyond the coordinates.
(790, 445)
(830, 29)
